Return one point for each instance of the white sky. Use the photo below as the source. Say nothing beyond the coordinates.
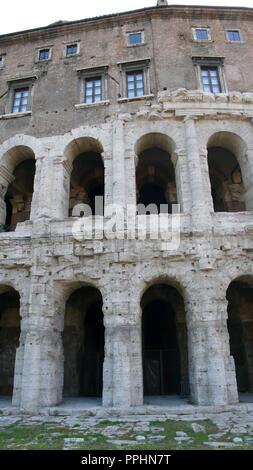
(17, 15)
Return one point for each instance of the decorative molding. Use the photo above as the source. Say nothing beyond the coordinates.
(15, 115)
(92, 105)
(199, 96)
(192, 104)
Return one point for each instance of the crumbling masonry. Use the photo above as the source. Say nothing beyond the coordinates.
(125, 318)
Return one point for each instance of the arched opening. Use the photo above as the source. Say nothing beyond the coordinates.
(87, 177)
(240, 328)
(155, 174)
(9, 337)
(19, 195)
(164, 342)
(227, 186)
(83, 342)
(17, 182)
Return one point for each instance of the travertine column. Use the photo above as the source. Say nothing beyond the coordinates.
(246, 163)
(122, 372)
(211, 368)
(40, 191)
(118, 167)
(6, 178)
(201, 217)
(61, 184)
(42, 377)
(19, 359)
(179, 159)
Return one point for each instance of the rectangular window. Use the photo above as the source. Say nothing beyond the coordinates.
(135, 83)
(71, 49)
(20, 100)
(210, 79)
(44, 54)
(134, 38)
(93, 90)
(234, 35)
(1, 60)
(202, 34)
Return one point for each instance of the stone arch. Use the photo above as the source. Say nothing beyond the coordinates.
(228, 172)
(164, 338)
(82, 144)
(17, 173)
(240, 329)
(85, 154)
(10, 323)
(155, 171)
(7, 149)
(83, 340)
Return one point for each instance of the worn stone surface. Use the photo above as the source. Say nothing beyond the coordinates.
(52, 330)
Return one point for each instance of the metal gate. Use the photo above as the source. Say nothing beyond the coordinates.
(161, 372)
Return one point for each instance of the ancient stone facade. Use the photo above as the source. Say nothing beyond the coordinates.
(127, 317)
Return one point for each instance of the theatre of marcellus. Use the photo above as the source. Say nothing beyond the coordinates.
(147, 107)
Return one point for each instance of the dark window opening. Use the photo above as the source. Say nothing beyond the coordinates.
(9, 339)
(18, 198)
(227, 186)
(155, 180)
(240, 328)
(83, 341)
(87, 182)
(164, 343)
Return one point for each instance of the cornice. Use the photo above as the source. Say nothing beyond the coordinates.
(76, 26)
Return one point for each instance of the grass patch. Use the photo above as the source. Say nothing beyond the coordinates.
(50, 436)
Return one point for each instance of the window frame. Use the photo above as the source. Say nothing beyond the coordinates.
(230, 30)
(69, 44)
(39, 49)
(89, 74)
(209, 69)
(93, 87)
(134, 66)
(218, 62)
(2, 62)
(132, 33)
(14, 85)
(21, 90)
(134, 74)
(200, 28)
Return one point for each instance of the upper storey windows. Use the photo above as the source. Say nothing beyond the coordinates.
(210, 74)
(20, 100)
(135, 83)
(2, 60)
(72, 49)
(233, 35)
(136, 38)
(201, 34)
(93, 90)
(210, 79)
(44, 54)
(134, 80)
